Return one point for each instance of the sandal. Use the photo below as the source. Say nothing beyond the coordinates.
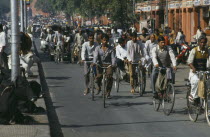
(133, 91)
(87, 91)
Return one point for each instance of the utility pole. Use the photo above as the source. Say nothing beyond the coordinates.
(166, 17)
(134, 8)
(21, 16)
(25, 15)
(15, 40)
(134, 4)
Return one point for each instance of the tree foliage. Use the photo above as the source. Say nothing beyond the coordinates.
(44, 5)
(120, 11)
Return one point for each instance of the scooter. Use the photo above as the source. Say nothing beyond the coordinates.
(183, 55)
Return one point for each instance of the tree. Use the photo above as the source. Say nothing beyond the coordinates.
(120, 11)
(44, 5)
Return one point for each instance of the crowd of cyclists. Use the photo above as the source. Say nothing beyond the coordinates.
(157, 53)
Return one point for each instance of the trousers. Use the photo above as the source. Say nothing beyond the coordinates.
(194, 84)
(99, 77)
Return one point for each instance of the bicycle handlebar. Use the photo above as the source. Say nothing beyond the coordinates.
(205, 72)
(103, 67)
(88, 61)
(134, 63)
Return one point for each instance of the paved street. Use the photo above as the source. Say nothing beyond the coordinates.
(126, 115)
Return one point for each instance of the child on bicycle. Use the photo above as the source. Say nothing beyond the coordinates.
(104, 55)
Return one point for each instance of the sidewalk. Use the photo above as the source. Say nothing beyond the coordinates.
(38, 129)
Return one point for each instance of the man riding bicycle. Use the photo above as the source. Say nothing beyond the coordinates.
(135, 54)
(104, 54)
(162, 56)
(198, 60)
(149, 45)
(121, 54)
(78, 40)
(88, 49)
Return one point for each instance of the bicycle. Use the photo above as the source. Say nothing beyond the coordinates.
(104, 82)
(57, 54)
(92, 78)
(76, 54)
(117, 79)
(194, 110)
(140, 81)
(166, 97)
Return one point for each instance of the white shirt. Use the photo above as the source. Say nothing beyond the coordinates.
(135, 51)
(149, 46)
(178, 36)
(121, 52)
(3, 40)
(198, 34)
(88, 51)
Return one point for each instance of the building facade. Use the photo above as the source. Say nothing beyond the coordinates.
(186, 15)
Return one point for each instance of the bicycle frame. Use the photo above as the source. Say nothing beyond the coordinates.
(104, 82)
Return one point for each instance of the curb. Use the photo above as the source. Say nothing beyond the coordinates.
(55, 127)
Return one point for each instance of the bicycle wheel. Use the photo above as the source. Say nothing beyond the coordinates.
(141, 83)
(104, 91)
(192, 109)
(72, 55)
(79, 58)
(92, 86)
(156, 104)
(168, 99)
(207, 107)
(117, 79)
(57, 56)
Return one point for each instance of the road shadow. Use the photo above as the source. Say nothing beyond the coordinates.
(127, 104)
(58, 78)
(55, 107)
(182, 111)
(117, 124)
(124, 97)
(180, 91)
(55, 86)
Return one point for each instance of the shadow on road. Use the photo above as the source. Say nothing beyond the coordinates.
(128, 104)
(116, 124)
(182, 111)
(55, 107)
(56, 86)
(58, 78)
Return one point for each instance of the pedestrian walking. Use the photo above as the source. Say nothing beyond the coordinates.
(3, 44)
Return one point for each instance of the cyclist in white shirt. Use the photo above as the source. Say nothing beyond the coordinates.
(87, 54)
(135, 54)
(121, 54)
(149, 45)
